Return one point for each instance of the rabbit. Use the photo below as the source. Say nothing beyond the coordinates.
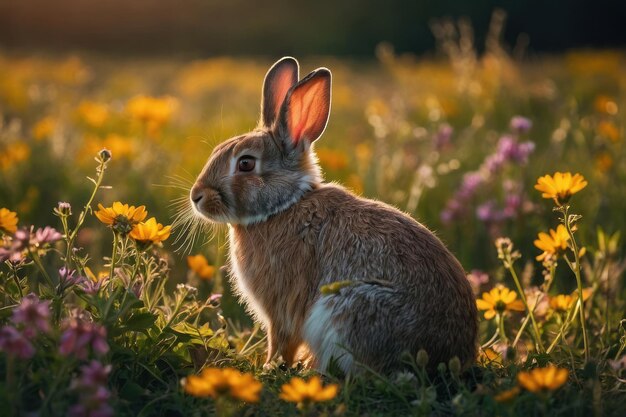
(291, 233)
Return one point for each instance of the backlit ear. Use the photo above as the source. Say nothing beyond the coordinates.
(279, 79)
(305, 112)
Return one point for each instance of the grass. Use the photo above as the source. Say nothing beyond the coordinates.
(402, 129)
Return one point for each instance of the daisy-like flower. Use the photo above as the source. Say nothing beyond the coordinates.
(150, 231)
(200, 266)
(302, 392)
(217, 382)
(121, 217)
(552, 244)
(508, 395)
(560, 186)
(8, 221)
(564, 302)
(545, 379)
(499, 300)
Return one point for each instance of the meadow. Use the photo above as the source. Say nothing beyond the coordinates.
(104, 311)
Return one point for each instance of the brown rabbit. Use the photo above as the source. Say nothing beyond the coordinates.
(291, 233)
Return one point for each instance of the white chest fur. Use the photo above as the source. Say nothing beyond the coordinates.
(242, 278)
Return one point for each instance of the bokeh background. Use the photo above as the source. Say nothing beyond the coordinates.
(423, 98)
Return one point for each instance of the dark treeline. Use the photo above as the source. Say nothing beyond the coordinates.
(348, 27)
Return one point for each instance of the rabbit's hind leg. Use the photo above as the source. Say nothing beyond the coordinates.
(358, 325)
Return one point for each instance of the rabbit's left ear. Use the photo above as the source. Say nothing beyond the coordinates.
(279, 79)
(304, 113)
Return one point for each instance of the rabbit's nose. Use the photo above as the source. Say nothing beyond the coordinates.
(197, 194)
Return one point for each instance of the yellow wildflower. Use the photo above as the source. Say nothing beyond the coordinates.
(299, 391)
(608, 130)
(8, 220)
(92, 113)
(508, 395)
(154, 111)
(552, 244)
(121, 217)
(216, 382)
(332, 159)
(489, 356)
(549, 378)
(44, 128)
(560, 186)
(564, 302)
(200, 266)
(14, 153)
(604, 162)
(605, 104)
(499, 300)
(150, 232)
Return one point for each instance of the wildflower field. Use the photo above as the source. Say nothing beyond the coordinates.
(114, 301)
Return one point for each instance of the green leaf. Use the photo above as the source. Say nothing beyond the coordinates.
(140, 321)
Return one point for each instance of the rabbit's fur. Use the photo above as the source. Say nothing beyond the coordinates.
(291, 234)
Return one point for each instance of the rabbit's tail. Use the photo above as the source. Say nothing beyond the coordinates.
(372, 325)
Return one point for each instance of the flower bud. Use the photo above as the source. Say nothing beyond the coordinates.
(64, 208)
(422, 358)
(454, 365)
(104, 155)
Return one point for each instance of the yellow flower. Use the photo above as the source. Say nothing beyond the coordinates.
(499, 300)
(44, 128)
(552, 244)
(508, 395)
(200, 266)
(561, 186)
(14, 153)
(608, 130)
(561, 302)
(564, 302)
(543, 379)
(150, 232)
(8, 220)
(121, 217)
(92, 113)
(299, 391)
(216, 382)
(489, 356)
(154, 111)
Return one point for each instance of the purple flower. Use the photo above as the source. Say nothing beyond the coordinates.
(92, 390)
(21, 238)
(33, 314)
(489, 213)
(443, 136)
(64, 208)
(521, 124)
(46, 235)
(79, 336)
(15, 343)
(477, 278)
(92, 375)
(68, 277)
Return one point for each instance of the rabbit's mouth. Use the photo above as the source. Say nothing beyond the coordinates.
(209, 203)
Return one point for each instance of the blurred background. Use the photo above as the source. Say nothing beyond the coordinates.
(349, 27)
(449, 110)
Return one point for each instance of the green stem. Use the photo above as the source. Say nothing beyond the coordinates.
(528, 309)
(83, 214)
(113, 253)
(500, 318)
(37, 261)
(579, 282)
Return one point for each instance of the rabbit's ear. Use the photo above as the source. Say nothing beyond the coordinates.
(305, 112)
(279, 79)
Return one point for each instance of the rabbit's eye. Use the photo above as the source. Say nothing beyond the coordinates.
(246, 163)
